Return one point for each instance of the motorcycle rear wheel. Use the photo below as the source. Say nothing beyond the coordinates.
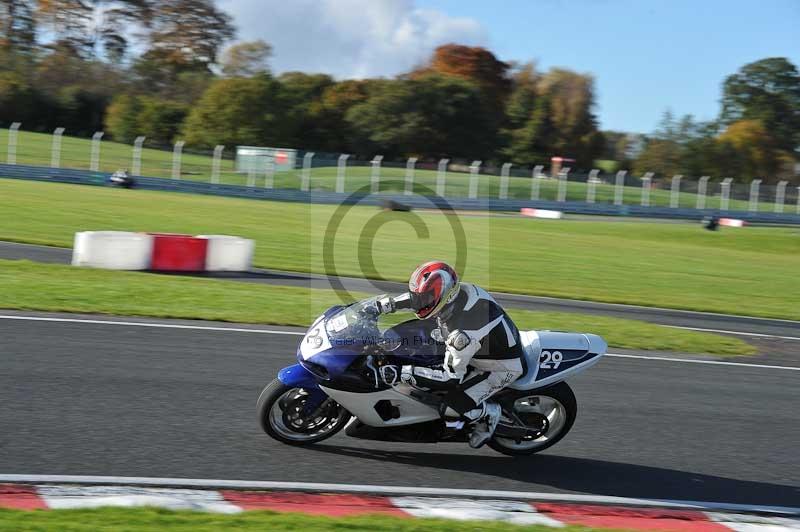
(279, 403)
(556, 403)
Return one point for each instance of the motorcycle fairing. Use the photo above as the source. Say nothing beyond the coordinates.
(577, 352)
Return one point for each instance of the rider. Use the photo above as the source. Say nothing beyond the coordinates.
(483, 353)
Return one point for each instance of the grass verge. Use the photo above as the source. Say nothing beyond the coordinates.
(33, 286)
(140, 519)
(750, 271)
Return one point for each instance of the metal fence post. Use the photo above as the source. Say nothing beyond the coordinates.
(251, 174)
(798, 201)
(305, 177)
(375, 174)
(702, 186)
(441, 177)
(780, 195)
(504, 171)
(474, 172)
(755, 184)
(646, 180)
(619, 185)
(590, 185)
(136, 166)
(94, 160)
(725, 193)
(563, 176)
(215, 163)
(675, 191)
(55, 155)
(410, 165)
(177, 152)
(269, 173)
(341, 167)
(536, 180)
(11, 155)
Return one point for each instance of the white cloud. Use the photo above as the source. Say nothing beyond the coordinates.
(350, 38)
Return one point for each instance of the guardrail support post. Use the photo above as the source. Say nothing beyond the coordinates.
(725, 193)
(375, 174)
(215, 163)
(410, 165)
(590, 185)
(305, 176)
(675, 191)
(619, 185)
(504, 171)
(94, 160)
(11, 154)
(563, 176)
(755, 184)
(702, 186)
(474, 173)
(177, 152)
(441, 177)
(780, 195)
(536, 180)
(269, 173)
(341, 168)
(55, 152)
(646, 180)
(136, 165)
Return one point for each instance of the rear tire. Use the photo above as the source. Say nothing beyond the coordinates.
(559, 406)
(271, 420)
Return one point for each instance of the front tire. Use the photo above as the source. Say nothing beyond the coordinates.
(554, 407)
(281, 412)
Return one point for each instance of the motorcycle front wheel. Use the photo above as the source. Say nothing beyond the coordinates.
(548, 413)
(288, 415)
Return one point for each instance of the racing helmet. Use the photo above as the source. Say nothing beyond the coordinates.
(432, 286)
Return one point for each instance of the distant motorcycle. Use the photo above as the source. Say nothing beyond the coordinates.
(348, 375)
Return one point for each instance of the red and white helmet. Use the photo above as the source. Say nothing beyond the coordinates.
(432, 286)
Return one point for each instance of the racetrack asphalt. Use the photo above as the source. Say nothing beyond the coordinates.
(102, 399)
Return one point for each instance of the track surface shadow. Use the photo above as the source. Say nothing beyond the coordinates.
(596, 477)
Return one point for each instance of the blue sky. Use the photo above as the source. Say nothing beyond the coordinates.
(646, 55)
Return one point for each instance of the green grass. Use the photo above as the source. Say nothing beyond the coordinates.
(35, 149)
(141, 519)
(751, 271)
(34, 286)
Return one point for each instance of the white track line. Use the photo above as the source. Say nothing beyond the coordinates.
(699, 361)
(740, 333)
(150, 324)
(293, 333)
(392, 490)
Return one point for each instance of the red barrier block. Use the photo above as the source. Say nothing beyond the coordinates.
(178, 253)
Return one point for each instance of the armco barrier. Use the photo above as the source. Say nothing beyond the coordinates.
(64, 175)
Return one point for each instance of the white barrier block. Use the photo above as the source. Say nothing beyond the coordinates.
(228, 253)
(113, 250)
(541, 213)
(731, 222)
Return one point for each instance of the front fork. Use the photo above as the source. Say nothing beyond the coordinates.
(296, 376)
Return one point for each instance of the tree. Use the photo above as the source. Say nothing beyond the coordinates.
(757, 156)
(234, 111)
(246, 59)
(17, 30)
(187, 34)
(768, 91)
(122, 118)
(431, 115)
(160, 120)
(332, 132)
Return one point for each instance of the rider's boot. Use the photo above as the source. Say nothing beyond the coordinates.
(485, 426)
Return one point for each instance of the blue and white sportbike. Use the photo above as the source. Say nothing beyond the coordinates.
(348, 376)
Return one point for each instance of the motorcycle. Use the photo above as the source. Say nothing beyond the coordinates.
(348, 375)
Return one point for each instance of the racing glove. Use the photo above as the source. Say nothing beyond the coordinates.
(459, 350)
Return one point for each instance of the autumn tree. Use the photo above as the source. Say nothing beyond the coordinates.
(755, 148)
(17, 30)
(246, 59)
(767, 91)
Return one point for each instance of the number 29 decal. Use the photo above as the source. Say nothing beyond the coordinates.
(550, 360)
